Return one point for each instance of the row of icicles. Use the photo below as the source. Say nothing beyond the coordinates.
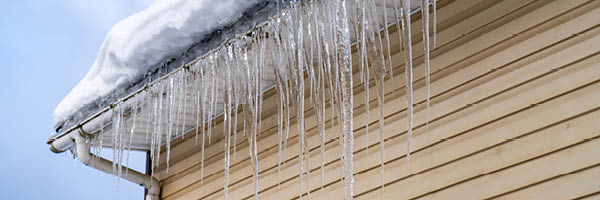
(305, 53)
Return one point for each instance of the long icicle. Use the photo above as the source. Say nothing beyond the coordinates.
(376, 55)
(400, 29)
(132, 131)
(408, 65)
(387, 39)
(321, 92)
(279, 88)
(184, 93)
(367, 75)
(425, 23)
(345, 61)
(300, 96)
(227, 99)
(197, 93)
(203, 120)
(257, 107)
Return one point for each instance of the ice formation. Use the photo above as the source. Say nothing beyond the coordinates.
(305, 53)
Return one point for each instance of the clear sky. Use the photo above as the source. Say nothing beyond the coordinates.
(46, 48)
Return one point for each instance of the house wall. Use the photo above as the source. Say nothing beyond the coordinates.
(515, 109)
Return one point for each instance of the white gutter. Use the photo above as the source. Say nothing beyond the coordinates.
(64, 141)
(82, 144)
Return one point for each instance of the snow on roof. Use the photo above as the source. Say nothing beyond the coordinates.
(135, 46)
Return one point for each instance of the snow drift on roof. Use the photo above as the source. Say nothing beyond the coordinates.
(141, 41)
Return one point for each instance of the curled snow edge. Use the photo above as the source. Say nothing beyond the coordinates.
(152, 43)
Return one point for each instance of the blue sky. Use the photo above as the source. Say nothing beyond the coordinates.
(46, 47)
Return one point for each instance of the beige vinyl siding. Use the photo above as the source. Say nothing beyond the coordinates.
(516, 103)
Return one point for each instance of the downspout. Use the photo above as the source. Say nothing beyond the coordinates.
(81, 141)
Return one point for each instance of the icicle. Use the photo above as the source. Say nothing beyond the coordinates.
(257, 112)
(153, 145)
(228, 109)
(408, 65)
(123, 127)
(289, 59)
(198, 98)
(376, 55)
(261, 78)
(400, 29)
(237, 98)
(379, 77)
(176, 104)
(300, 95)
(333, 17)
(149, 111)
(279, 87)
(287, 115)
(114, 141)
(425, 23)
(327, 37)
(171, 101)
(387, 39)
(254, 146)
(280, 127)
(367, 76)
(345, 60)
(237, 91)
(134, 113)
(213, 97)
(283, 58)
(251, 108)
(160, 123)
(178, 96)
(184, 93)
(375, 21)
(117, 141)
(203, 119)
(434, 3)
(321, 106)
(311, 61)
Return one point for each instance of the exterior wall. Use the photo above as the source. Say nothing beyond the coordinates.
(516, 103)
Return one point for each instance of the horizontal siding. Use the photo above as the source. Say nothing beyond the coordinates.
(515, 85)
